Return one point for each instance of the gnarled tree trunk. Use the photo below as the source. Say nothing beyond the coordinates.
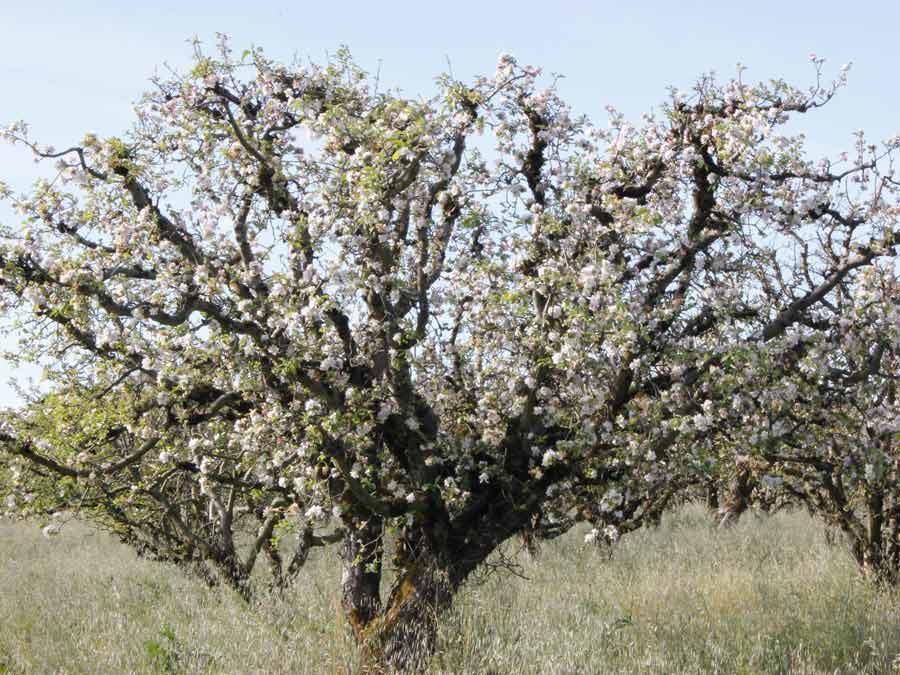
(399, 634)
(874, 542)
(738, 496)
(403, 636)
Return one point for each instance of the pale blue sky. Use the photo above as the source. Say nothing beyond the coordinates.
(71, 67)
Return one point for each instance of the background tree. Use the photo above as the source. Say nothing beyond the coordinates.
(350, 295)
(73, 453)
(828, 438)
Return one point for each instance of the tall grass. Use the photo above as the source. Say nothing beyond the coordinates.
(769, 595)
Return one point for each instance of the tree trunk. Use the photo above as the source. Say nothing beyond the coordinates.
(399, 635)
(737, 497)
(361, 560)
(874, 546)
(530, 539)
(892, 538)
(402, 636)
(873, 563)
(278, 582)
(198, 568)
(873, 554)
(712, 497)
(235, 574)
(409, 632)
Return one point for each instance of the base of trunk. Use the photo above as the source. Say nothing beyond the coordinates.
(403, 637)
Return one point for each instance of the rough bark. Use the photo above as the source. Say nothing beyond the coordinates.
(737, 497)
(875, 545)
(712, 497)
(403, 637)
(399, 635)
(235, 574)
(361, 560)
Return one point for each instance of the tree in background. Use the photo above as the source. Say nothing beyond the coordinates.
(75, 451)
(829, 437)
(450, 321)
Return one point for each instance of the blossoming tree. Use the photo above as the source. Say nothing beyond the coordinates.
(828, 437)
(451, 320)
(74, 453)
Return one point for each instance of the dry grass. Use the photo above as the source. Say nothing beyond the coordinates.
(768, 596)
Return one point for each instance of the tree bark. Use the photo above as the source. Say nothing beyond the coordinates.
(402, 636)
(712, 497)
(361, 560)
(434, 557)
(737, 497)
(235, 574)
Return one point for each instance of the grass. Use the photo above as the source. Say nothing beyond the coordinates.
(768, 596)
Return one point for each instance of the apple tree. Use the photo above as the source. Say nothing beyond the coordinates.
(448, 320)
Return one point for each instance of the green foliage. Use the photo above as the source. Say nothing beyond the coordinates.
(162, 656)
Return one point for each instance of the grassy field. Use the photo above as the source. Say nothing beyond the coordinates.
(769, 595)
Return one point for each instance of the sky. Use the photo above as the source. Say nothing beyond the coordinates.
(72, 67)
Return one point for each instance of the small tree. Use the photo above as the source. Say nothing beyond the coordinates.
(335, 291)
